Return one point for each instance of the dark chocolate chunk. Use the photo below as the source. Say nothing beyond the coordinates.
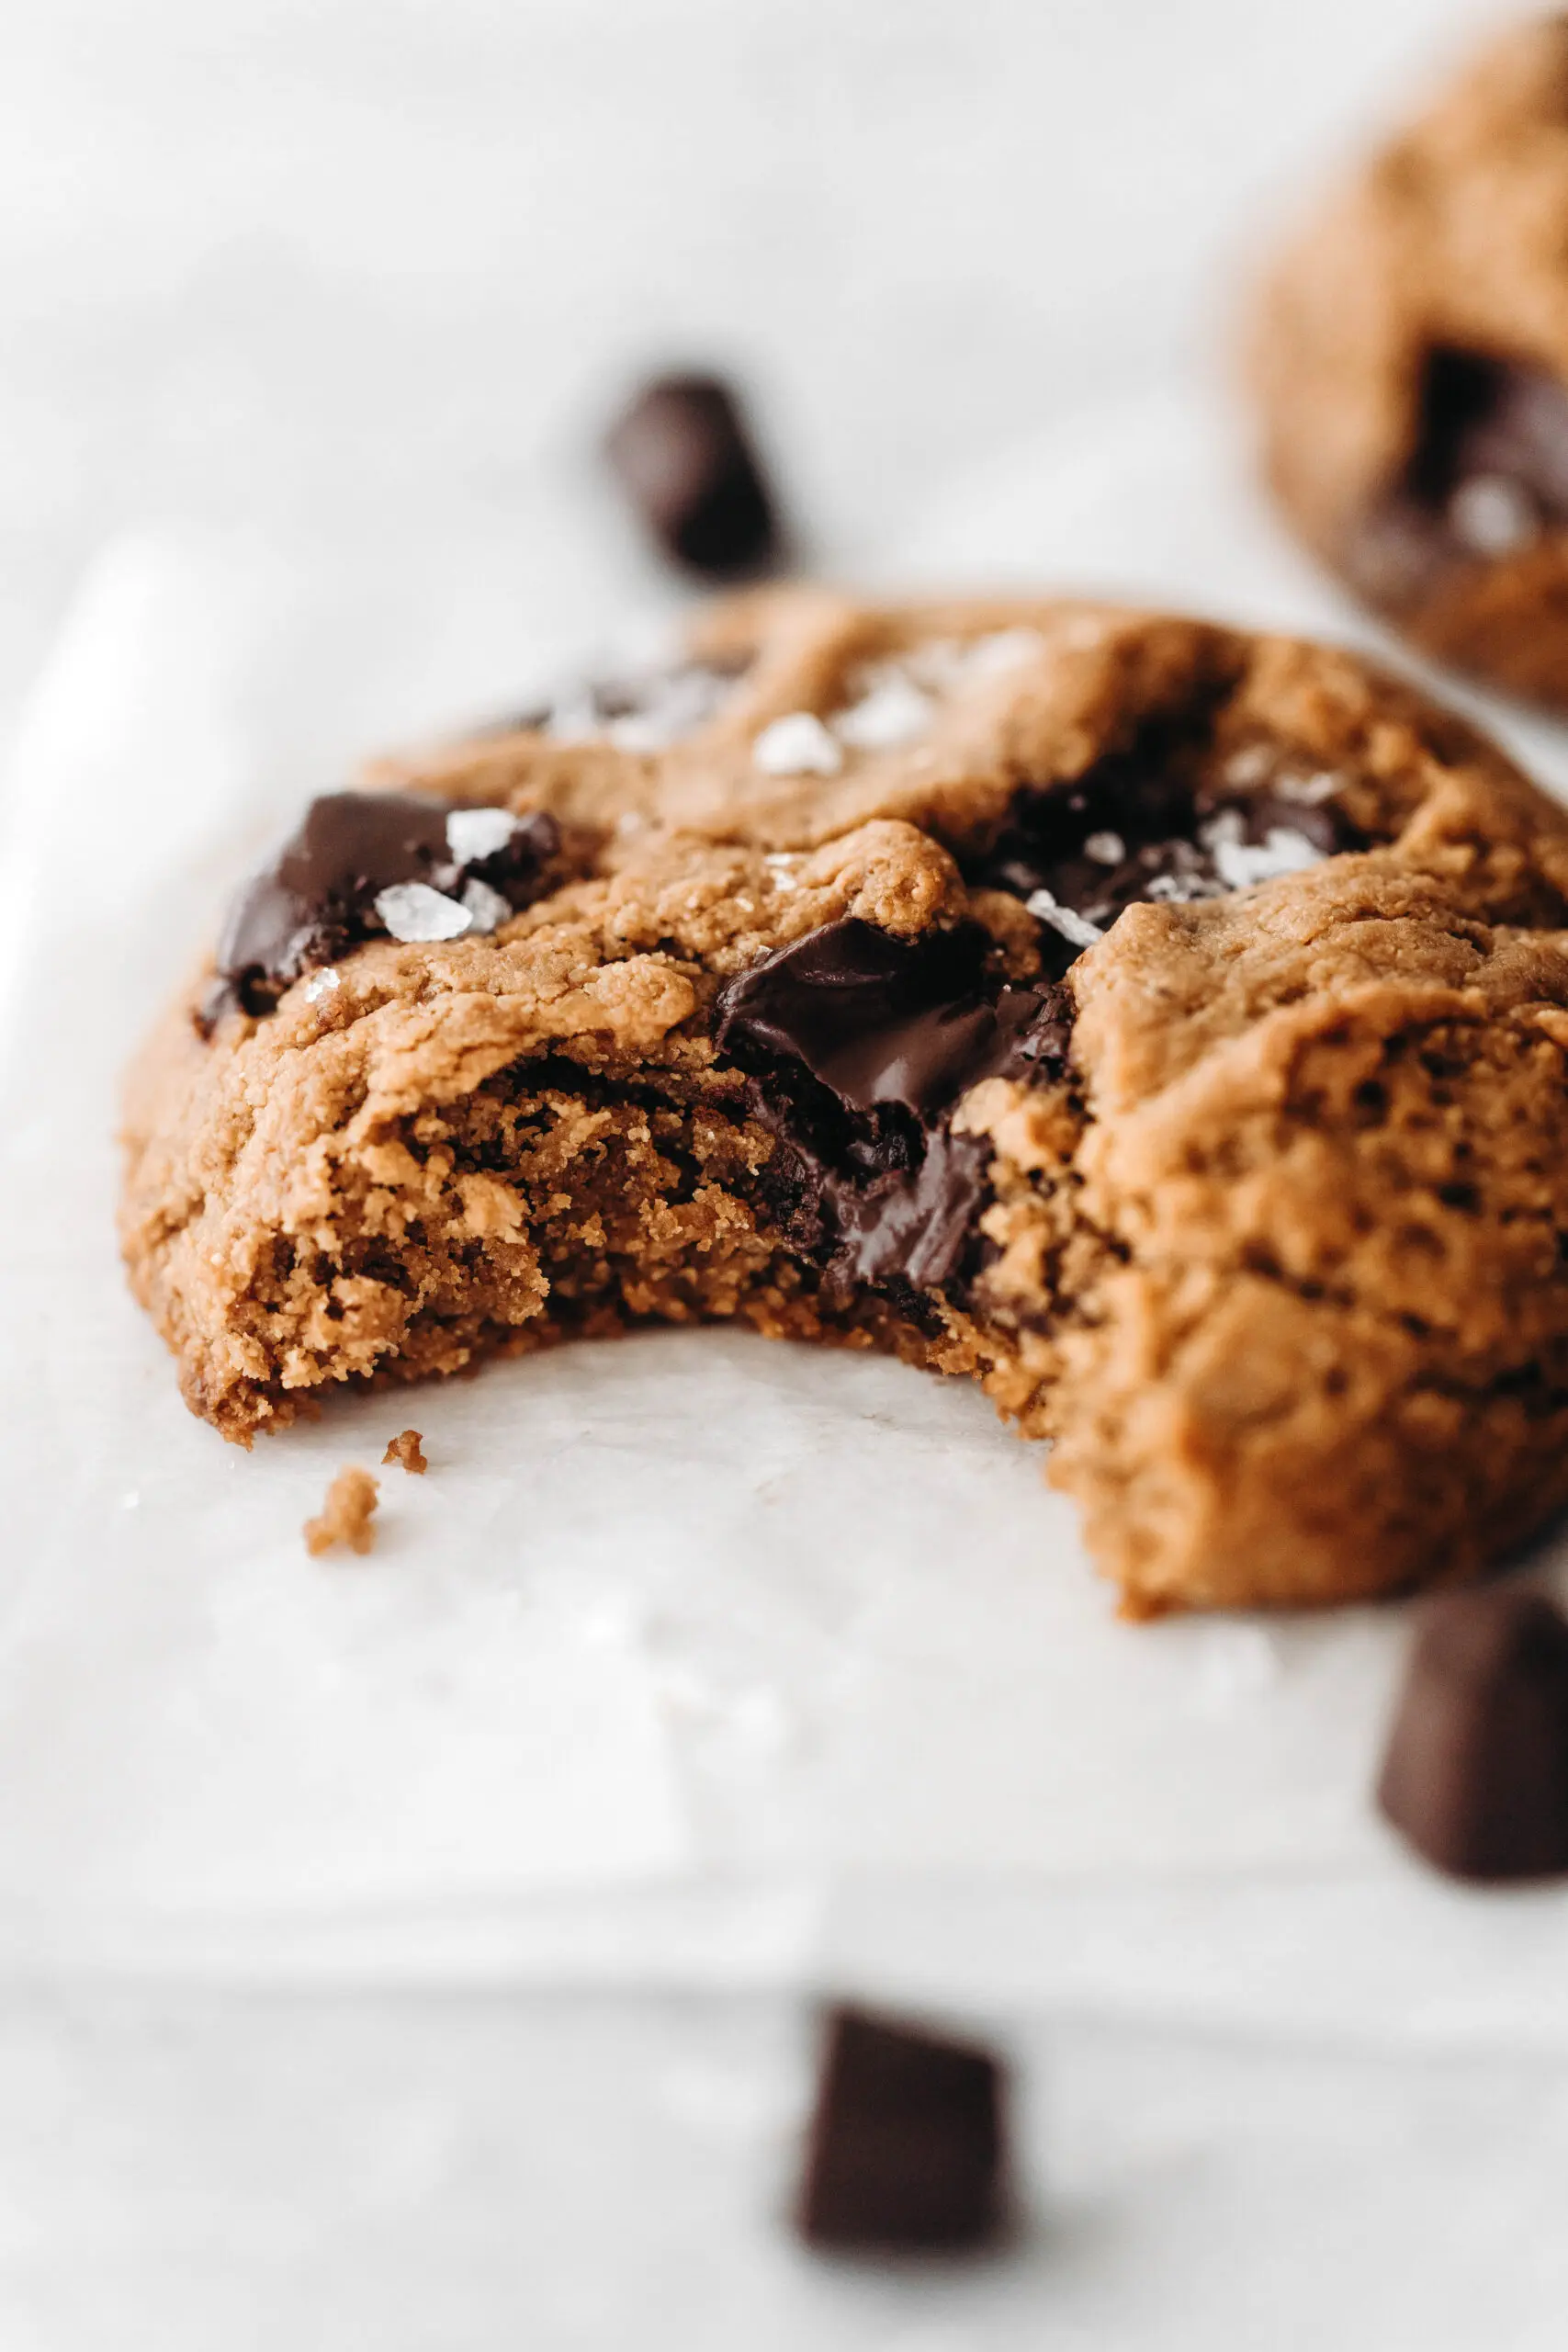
(1488, 472)
(1476, 1772)
(1139, 825)
(859, 1044)
(876, 1018)
(907, 2145)
(684, 456)
(317, 896)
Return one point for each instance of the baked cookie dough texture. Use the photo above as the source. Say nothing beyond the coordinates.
(1165, 1027)
(1409, 355)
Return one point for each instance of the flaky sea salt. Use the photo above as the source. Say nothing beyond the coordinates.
(413, 911)
(1492, 515)
(320, 984)
(1106, 849)
(1308, 791)
(797, 744)
(1003, 649)
(487, 910)
(672, 707)
(574, 717)
(1075, 929)
(782, 865)
(474, 834)
(1239, 863)
(891, 711)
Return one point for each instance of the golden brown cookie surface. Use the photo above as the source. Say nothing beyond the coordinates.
(1162, 1025)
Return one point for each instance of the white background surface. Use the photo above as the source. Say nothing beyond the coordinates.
(362, 280)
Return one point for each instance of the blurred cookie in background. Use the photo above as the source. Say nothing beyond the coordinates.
(1409, 355)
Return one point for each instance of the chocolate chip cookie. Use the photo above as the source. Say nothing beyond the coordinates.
(1410, 356)
(1163, 1026)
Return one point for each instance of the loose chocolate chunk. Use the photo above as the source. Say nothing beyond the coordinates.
(1138, 825)
(907, 2145)
(859, 1044)
(456, 869)
(682, 452)
(1476, 1771)
(1487, 473)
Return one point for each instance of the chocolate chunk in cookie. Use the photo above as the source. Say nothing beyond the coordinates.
(860, 1045)
(1477, 1773)
(1144, 825)
(906, 2150)
(685, 457)
(374, 865)
(1487, 477)
(1411, 359)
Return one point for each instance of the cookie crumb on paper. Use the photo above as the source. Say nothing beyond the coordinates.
(408, 1448)
(347, 1514)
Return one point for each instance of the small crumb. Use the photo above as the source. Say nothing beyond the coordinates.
(347, 1514)
(407, 1447)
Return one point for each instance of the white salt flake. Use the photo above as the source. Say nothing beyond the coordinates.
(671, 708)
(1179, 889)
(320, 984)
(473, 834)
(1492, 515)
(780, 865)
(1239, 863)
(487, 908)
(574, 719)
(1004, 649)
(797, 744)
(413, 912)
(1308, 791)
(1075, 929)
(1106, 849)
(893, 711)
(1249, 766)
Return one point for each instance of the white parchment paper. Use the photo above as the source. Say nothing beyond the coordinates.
(693, 1659)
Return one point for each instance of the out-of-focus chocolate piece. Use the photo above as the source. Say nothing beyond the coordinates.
(906, 2150)
(1475, 1776)
(1486, 475)
(684, 456)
